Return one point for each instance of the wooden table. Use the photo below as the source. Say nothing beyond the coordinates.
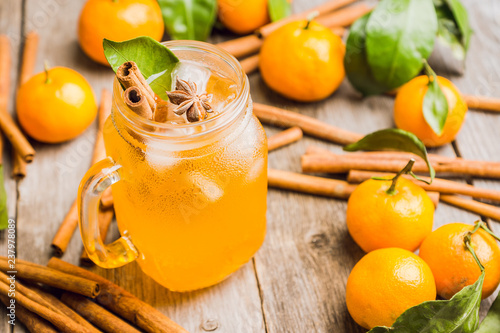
(296, 282)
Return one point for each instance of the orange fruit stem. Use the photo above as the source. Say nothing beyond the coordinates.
(405, 171)
(468, 240)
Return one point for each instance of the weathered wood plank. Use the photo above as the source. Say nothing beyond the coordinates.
(52, 182)
(10, 25)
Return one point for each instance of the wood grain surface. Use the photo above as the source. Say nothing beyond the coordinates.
(296, 282)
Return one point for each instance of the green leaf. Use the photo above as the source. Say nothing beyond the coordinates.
(356, 66)
(460, 314)
(155, 61)
(393, 139)
(462, 19)
(453, 26)
(491, 323)
(399, 34)
(435, 106)
(279, 9)
(448, 31)
(189, 19)
(4, 215)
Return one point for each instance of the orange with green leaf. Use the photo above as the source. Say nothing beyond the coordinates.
(390, 212)
(431, 107)
(453, 265)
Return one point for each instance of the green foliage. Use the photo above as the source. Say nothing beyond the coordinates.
(279, 9)
(189, 19)
(435, 106)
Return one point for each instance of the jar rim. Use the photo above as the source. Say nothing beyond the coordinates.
(153, 128)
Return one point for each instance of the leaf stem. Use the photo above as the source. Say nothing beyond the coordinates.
(406, 170)
(468, 243)
(46, 69)
(429, 72)
(484, 226)
(311, 17)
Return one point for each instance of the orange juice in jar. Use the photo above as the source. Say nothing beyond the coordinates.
(190, 198)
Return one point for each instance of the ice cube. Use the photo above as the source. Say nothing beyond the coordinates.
(191, 71)
(160, 162)
(223, 91)
(208, 187)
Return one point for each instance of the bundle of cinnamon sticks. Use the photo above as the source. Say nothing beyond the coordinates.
(88, 303)
(361, 166)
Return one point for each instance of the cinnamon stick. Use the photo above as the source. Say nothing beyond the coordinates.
(121, 302)
(438, 185)
(243, 46)
(384, 155)
(346, 162)
(104, 218)
(19, 166)
(339, 31)
(1, 149)
(60, 321)
(345, 16)
(5, 64)
(293, 181)
(137, 102)
(33, 322)
(435, 197)
(99, 152)
(322, 9)
(482, 103)
(51, 277)
(278, 117)
(66, 230)
(107, 199)
(129, 75)
(480, 208)
(97, 315)
(31, 41)
(284, 138)
(7, 124)
(250, 64)
(331, 188)
(66, 310)
(68, 226)
(27, 67)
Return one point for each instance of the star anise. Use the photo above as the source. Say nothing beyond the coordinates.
(194, 106)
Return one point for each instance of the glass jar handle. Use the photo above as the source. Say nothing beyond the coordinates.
(100, 176)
